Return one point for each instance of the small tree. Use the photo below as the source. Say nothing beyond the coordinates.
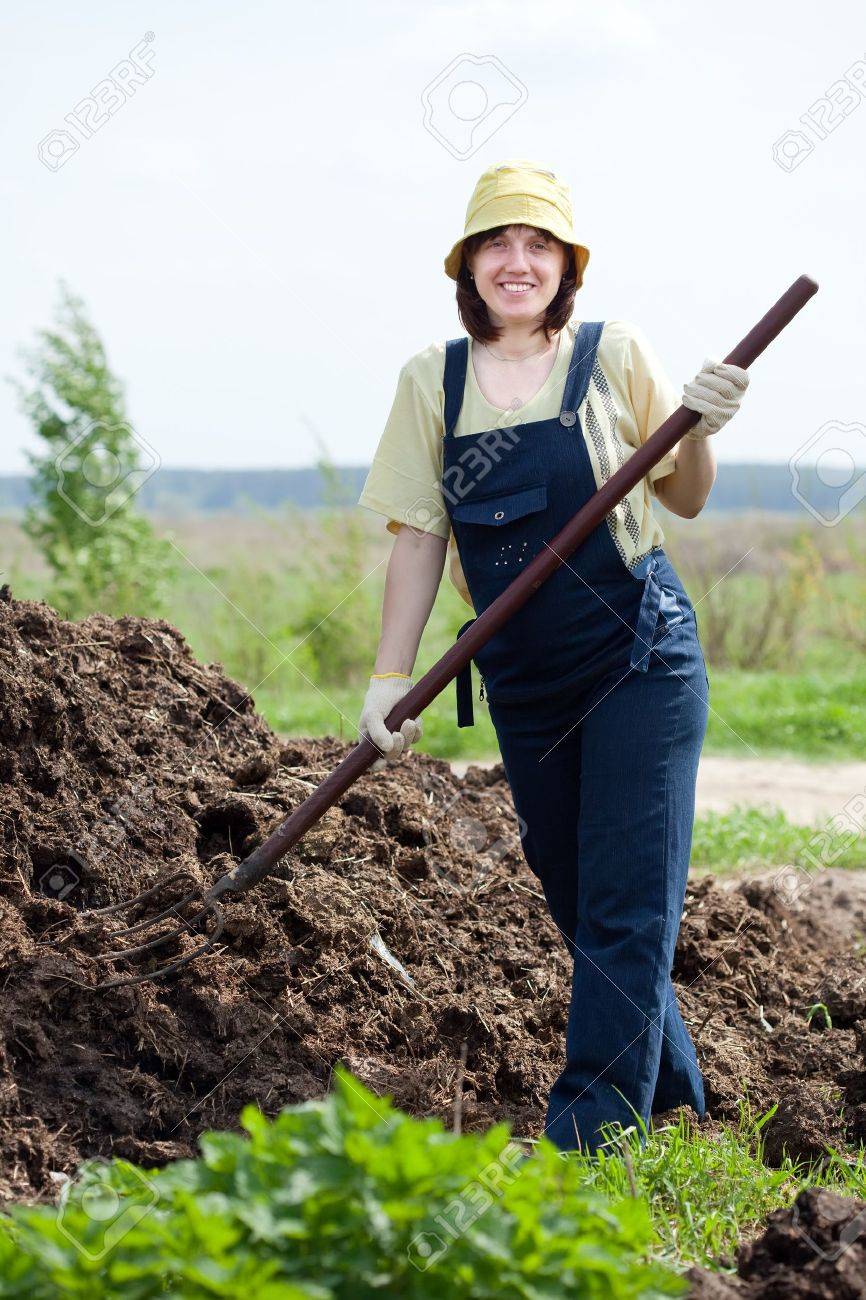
(102, 553)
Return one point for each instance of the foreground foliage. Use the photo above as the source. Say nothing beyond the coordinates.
(345, 1197)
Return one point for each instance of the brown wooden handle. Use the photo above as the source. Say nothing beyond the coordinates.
(261, 860)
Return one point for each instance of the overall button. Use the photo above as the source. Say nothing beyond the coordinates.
(568, 418)
(500, 514)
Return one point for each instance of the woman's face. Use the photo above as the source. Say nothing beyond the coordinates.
(517, 273)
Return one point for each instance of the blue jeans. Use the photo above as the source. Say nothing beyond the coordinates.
(604, 780)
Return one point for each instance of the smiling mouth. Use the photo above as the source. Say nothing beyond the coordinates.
(515, 287)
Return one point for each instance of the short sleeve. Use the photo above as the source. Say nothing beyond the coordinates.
(405, 478)
(653, 396)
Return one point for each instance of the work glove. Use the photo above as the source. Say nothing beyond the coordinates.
(716, 391)
(382, 694)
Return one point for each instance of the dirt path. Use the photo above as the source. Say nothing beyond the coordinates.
(806, 792)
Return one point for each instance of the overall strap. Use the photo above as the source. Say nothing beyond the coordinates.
(456, 359)
(463, 683)
(586, 342)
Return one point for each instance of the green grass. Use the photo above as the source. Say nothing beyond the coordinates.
(811, 716)
(760, 837)
(816, 715)
(707, 1194)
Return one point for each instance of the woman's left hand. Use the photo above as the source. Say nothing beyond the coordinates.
(716, 391)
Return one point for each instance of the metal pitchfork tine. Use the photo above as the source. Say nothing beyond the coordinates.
(174, 910)
(260, 863)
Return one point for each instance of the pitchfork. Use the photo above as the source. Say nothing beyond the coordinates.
(196, 909)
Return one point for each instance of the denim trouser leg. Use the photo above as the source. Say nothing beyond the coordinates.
(605, 784)
(679, 1081)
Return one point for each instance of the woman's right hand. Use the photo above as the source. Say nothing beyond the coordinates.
(382, 694)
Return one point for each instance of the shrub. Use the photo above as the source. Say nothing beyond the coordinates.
(339, 1198)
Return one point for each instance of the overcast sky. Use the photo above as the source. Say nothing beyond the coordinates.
(258, 226)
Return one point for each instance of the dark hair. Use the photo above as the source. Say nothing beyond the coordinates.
(472, 309)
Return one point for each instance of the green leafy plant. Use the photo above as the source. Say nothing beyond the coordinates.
(345, 1197)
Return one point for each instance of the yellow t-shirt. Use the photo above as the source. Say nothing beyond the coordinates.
(629, 396)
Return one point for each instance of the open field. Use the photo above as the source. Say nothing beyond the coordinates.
(289, 604)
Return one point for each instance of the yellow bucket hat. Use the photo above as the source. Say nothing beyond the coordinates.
(519, 193)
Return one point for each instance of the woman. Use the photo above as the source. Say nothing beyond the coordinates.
(597, 686)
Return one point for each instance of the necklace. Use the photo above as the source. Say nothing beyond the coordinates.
(526, 358)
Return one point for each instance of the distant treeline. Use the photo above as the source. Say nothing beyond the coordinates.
(243, 491)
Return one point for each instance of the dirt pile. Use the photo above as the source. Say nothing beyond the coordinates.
(755, 960)
(404, 924)
(815, 1249)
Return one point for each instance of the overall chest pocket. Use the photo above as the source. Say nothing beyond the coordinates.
(507, 536)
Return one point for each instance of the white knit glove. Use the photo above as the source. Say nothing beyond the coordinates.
(716, 391)
(382, 694)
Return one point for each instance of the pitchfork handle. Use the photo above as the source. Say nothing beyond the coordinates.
(261, 861)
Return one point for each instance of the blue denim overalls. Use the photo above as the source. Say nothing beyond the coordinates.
(597, 690)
